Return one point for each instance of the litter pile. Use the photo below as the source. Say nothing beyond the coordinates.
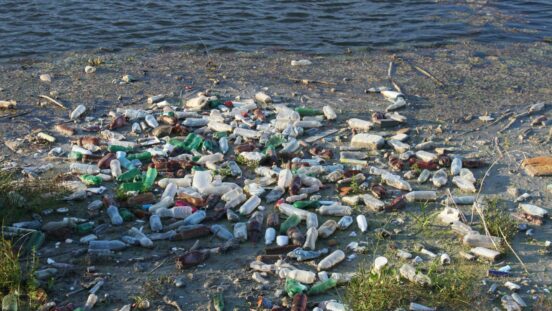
(254, 171)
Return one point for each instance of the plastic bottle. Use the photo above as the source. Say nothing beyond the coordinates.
(303, 255)
(439, 178)
(250, 205)
(155, 223)
(221, 232)
(113, 245)
(302, 276)
(423, 196)
(240, 231)
(345, 222)
(114, 216)
(331, 260)
(90, 302)
(223, 144)
(312, 220)
(296, 236)
(151, 175)
(142, 238)
(254, 226)
(424, 176)
(79, 111)
(293, 287)
(195, 218)
(275, 194)
(270, 235)
(81, 168)
(322, 287)
(305, 111)
(362, 223)
(310, 239)
(115, 167)
(395, 181)
(151, 121)
(327, 228)
(455, 166)
(285, 178)
(291, 221)
(91, 180)
(306, 204)
(201, 180)
(329, 113)
(335, 210)
(129, 175)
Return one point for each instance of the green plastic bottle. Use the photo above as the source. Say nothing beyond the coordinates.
(85, 227)
(142, 156)
(75, 156)
(322, 287)
(209, 145)
(293, 287)
(304, 111)
(151, 175)
(115, 148)
(126, 214)
(130, 186)
(306, 204)
(91, 180)
(292, 221)
(195, 144)
(275, 141)
(178, 143)
(218, 302)
(129, 175)
(215, 103)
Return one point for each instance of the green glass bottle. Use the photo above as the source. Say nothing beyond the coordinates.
(306, 204)
(129, 175)
(304, 111)
(322, 287)
(142, 156)
(115, 148)
(130, 186)
(91, 180)
(126, 214)
(293, 287)
(85, 227)
(292, 221)
(151, 175)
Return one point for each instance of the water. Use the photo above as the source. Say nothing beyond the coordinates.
(29, 28)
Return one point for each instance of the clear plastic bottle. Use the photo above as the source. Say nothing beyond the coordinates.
(362, 223)
(142, 238)
(114, 216)
(221, 232)
(250, 205)
(275, 194)
(195, 218)
(223, 144)
(151, 121)
(440, 178)
(329, 112)
(113, 245)
(79, 111)
(170, 191)
(115, 167)
(155, 223)
(331, 260)
(240, 231)
(310, 240)
(81, 168)
(327, 228)
(270, 235)
(455, 166)
(345, 222)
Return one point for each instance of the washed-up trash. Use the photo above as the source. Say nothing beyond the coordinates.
(538, 166)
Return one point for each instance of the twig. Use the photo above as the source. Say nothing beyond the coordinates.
(497, 145)
(53, 101)
(170, 302)
(421, 70)
(306, 81)
(11, 116)
(513, 251)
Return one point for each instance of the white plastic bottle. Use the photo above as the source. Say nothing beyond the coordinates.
(270, 235)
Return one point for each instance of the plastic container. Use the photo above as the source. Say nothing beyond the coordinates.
(155, 223)
(114, 216)
(331, 260)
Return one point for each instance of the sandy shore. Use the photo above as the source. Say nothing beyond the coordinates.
(478, 80)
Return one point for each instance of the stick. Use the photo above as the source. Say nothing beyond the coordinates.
(421, 70)
(170, 302)
(306, 81)
(513, 251)
(53, 101)
(11, 116)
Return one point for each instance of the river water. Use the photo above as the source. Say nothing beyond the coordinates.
(34, 28)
